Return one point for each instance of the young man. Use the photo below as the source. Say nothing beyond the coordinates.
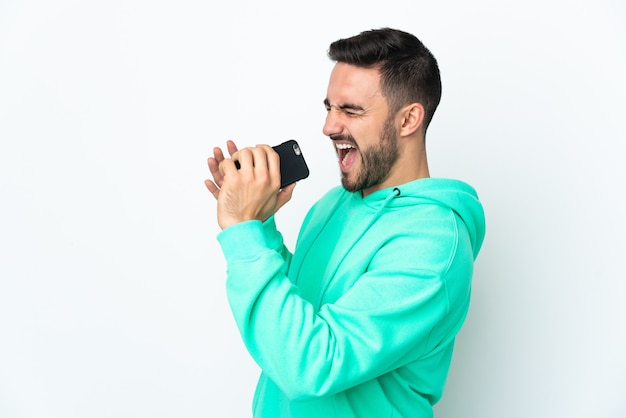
(360, 321)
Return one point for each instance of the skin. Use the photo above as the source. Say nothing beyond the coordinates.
(358, 115)
(251, 192)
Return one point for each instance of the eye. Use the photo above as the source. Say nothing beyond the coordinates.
(353, 113)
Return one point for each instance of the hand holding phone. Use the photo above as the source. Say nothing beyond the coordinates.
(292, 168)
(292, 164)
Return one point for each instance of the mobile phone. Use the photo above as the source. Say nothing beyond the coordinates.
(292, 164)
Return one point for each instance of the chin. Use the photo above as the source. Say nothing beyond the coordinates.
(350, 186)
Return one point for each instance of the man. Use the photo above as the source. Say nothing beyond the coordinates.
(360, 321)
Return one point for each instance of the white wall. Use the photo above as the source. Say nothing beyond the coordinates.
(112, 284)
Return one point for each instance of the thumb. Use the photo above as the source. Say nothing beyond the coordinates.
(284, 195)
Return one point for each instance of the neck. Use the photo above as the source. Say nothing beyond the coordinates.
(410, 166)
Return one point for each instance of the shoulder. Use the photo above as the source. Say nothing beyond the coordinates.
(424, 236)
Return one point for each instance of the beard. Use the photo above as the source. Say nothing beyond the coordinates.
(376, 160)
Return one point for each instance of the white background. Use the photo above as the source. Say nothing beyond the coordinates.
(112, 299)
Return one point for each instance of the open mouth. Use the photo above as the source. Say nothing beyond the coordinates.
(347, 154)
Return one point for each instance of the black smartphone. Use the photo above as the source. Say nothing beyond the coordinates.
(292, 164)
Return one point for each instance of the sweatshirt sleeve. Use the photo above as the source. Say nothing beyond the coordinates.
(372, 329)
(248, 239)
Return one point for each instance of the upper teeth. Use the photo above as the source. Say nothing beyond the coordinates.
(343, 146)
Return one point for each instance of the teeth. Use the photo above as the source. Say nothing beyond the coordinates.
(343, 146)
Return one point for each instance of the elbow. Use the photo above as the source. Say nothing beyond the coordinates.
(307, 386)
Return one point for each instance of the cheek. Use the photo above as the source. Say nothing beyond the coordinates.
(369, 132)
(360, 134)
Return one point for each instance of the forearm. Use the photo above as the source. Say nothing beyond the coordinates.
(310, 353)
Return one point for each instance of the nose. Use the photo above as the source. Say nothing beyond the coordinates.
(332, 125)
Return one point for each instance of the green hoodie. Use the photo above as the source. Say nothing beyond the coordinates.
(360, 321)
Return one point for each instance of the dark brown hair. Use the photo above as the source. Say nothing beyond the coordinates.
(409, 71)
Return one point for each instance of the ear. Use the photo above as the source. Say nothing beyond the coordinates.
(412, 118)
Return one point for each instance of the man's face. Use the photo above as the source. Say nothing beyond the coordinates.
(361, 128)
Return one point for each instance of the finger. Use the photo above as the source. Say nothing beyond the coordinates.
(260, 159)
(215, 191)
(227, 167)
(213, 164)
(268, 164)
(218, 154)
(284, 195)
(244, 157)
(273, 160)
(214, 168)
(263, 171)
(232, 148)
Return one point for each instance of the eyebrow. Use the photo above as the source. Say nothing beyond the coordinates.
(345, 106)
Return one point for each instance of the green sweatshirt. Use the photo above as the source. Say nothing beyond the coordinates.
(360, 321)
